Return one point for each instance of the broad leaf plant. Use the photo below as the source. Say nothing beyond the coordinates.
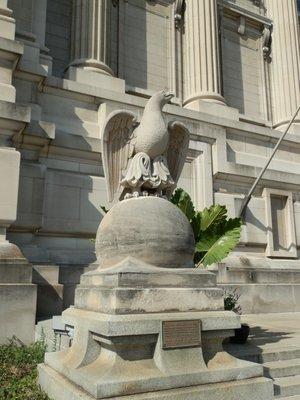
(215, 234)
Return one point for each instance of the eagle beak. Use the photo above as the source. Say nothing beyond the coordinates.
(168, 97)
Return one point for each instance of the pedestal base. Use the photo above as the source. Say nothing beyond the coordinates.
(147, 332)
(130, 356)
(59, 388)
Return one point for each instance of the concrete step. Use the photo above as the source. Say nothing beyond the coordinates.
(287, 386)
(279, 369)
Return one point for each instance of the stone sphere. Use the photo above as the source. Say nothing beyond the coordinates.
(151, 229)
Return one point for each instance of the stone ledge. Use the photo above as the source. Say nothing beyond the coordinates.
(11, 46)
(135, 324)
(14, 112)
(92, 93)
(135, 273)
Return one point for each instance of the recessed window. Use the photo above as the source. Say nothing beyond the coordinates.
(279, 223)
(281, 241)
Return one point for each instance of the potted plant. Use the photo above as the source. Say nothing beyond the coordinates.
(231, 298)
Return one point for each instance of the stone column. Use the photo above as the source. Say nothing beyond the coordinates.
(202, 54)
(285, 65)
(90, 48)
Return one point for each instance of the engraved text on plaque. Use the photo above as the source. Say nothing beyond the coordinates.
(178, 334)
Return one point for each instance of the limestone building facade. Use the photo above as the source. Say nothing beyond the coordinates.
(234, 67)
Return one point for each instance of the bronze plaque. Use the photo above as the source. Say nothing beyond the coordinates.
(179, 334)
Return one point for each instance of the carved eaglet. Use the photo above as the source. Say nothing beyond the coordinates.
(146, 158)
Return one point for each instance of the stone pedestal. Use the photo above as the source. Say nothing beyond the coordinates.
(148, 332)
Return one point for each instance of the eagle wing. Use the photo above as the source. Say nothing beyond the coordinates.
(117, 148)
(178, 147)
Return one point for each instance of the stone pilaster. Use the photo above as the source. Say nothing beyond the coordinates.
(17, 293)
(39, 22)
(285, 65)
(10, 52)
(7, 23)
(90, 47)
(30, 16)
(202, 54)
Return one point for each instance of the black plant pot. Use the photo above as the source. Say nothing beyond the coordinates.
(241, 334)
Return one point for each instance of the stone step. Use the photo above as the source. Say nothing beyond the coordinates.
(255, 354)
(281, 355)
(287, 386)
(297, 397)
(279, 369)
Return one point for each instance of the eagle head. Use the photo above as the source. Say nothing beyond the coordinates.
(161, 98)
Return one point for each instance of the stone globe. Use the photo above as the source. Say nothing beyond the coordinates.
(150, 229)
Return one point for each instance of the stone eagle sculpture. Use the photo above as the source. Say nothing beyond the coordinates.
(146, 158)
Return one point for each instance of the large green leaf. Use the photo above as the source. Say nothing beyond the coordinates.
(184, 202)
(212, 216)
(175, 199)
(215, 236)
(217, 248)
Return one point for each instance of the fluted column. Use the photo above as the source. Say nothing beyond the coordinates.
(202, 69)
(90, 47)
(285, 65)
